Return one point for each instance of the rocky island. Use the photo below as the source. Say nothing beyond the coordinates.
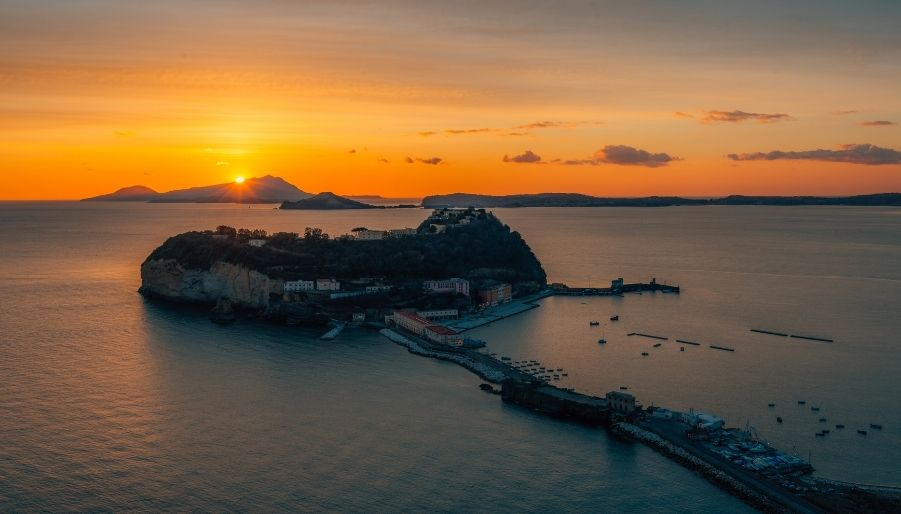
(310, 278)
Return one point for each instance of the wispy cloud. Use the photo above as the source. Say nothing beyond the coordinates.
(527, 157)
(382, 160)
(124, 133)
(680, 114)
(555, 124)
(427, 133)
(853, 153)
(431, 160)
(741, 116)
(842, 113)
(352, 151)
(222, 163)
(877, 123)
(470, 131)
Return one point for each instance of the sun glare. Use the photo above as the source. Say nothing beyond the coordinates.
(239, 180)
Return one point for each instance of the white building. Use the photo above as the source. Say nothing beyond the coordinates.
(256, 242)
(369, 235)
(299, 286)
(378, 289)
(402, 232)
(620, 401)
(451, 285)
(328, 284)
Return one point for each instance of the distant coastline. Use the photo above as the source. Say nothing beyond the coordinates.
(580, 200)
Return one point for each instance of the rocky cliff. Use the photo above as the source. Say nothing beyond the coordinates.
(167, 279)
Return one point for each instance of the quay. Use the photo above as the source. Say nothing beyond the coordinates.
(333, 333)
(617, 288)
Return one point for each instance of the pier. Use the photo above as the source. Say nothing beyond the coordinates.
(794, 336)
(617, 288)
(333, 333)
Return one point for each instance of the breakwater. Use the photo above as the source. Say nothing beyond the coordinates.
(685, 458)
(637, 287)
(556, 402)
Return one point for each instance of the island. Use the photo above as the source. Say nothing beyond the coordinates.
(330, 201)
(455, 260)
(266, 189)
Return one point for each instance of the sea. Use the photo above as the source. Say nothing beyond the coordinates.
(110, 402)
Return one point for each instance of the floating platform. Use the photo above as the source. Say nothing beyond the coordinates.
(812, 338)
(715, 347)
(647, 335)
(770, 332)
(688, 342)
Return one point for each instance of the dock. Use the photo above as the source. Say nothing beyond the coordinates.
(333, 333)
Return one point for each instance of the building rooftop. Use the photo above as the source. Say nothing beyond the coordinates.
(441, 329)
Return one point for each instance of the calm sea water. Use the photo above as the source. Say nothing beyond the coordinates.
(108, 402)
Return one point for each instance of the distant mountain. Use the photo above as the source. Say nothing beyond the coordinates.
(266, 189)
(327, 201)
(580, 200)
(126, 194)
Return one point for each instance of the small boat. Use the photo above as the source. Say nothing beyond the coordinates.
(874, 425)
(778, 419)
(644, 354)
(862, 432)
(801, 402)
(657, 345)
(615, 317)
(826, 431)
(623, 387)
(815, 409)
(822, 420)
(486, 387)
(594, 323)
(819, 434)
(565, 374)
(839, 426)
(602, 341)
(771, 405)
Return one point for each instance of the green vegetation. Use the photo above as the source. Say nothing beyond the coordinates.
(481, 251)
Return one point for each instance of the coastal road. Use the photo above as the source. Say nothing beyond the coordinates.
(675, 434)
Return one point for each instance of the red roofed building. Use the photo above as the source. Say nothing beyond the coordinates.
(426, 329)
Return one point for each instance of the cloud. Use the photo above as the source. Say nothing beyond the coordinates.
(222, 163)
(680, 114)
(427, 133)
(527, 157)
(555, 124)
(610, 154)
(124, 133)
(854, 153)
(382, 160)
(629, 156)
(352, 150)
(517, 134)
(740, 116)
(470, 131)
(432, 160)
(877, 123)
(842, 113)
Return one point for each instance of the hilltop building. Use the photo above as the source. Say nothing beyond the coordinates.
(448, 286)
(495, 294)
(328, 284)
(256, 242)
(299, 286)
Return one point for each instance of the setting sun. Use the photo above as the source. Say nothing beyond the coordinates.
(239, 180)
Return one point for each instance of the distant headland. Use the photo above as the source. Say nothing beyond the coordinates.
(580, 200)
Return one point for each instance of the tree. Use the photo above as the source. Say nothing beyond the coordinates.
(225, 230)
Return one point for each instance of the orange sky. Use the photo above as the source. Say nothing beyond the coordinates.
(97, 95)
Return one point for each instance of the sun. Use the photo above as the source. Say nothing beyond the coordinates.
(239, 180)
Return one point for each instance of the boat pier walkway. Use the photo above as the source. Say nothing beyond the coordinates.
(333, 333)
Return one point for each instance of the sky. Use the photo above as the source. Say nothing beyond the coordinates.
(410, 98)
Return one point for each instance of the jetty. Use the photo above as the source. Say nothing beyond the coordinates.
(794, 336)
(617, 288)
(333, 333)
(648, 335)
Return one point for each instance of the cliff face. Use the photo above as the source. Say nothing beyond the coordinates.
(168, 279)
